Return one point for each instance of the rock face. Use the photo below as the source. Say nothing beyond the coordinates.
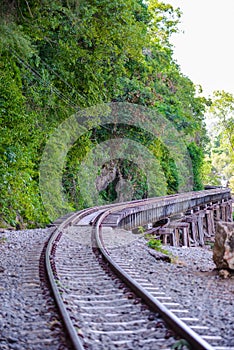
(108, 174)
(223, 252)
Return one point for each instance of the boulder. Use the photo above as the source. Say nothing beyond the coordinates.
(223, 252)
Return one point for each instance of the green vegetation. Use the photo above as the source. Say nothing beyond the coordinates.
(58, 57)
(141, 229)
(3, 240)
(181, 344)
(196, 155)
(219, 168)
(156, 244)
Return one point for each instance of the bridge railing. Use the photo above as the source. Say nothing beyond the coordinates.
(198, 211)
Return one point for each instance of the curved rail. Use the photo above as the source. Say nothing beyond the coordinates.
(49, 263)
(179, 326)
(77, 344)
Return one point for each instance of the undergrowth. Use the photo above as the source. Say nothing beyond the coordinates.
(157, 245)
(3, 240)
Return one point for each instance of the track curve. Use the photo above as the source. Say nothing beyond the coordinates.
(116, 270)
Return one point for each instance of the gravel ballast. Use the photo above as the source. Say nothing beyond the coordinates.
(27, 314)
(191, 280)
(108, 315)
(28, 318)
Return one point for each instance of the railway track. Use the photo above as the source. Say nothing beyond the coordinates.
(29, 318)
(104, 301)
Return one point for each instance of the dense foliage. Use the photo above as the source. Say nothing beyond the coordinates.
(57, 57)
(219, 167)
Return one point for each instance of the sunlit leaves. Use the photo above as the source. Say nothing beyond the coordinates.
(221, 125)
(59, 56)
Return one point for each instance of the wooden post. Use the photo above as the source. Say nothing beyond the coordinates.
(230, 217)
(180, 230)
(212, 220)
(217, 212)
(192, 221)
(223, 212)
(200, 228)
(167, 234)
(208, 222)
(185, 234)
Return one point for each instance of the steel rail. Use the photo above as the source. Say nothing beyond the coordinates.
(181, 328)
(171, 319)
(76, 342)
(75, 217)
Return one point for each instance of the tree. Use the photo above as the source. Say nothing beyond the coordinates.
(221, 129)
(62, 56)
